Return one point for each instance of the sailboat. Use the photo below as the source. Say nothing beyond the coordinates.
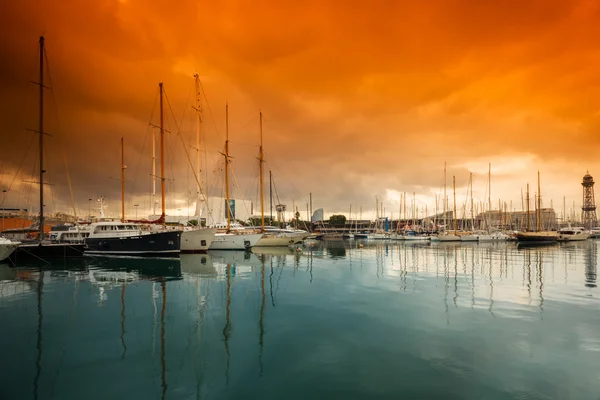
(273, 238)
(471, 236)
(40, 248)
(109, 238)
(197, 239)
(445, 236)
(492, 235)
(538, 236)
(228, 240)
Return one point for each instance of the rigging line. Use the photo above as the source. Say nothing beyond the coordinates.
(59, 134)
(28, 197)
(135, 171)
(241, 130)
(276, 168)
(19, 169)
(209, 109)
(187, 154)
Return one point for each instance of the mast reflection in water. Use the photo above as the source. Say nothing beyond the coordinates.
(340, 319)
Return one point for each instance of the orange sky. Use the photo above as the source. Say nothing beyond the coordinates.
(360, 98)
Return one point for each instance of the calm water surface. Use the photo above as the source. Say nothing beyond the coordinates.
(333, 321)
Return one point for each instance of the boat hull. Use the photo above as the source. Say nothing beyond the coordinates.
(537, 237)
(160, 244)
(445, 238)
(500, 237)
(278, 241)
(232, 241)
(573, 238)
(197, 240)
(33, 252)
(417, 238)
(6, 249)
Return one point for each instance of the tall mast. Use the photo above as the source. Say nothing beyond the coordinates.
(454, 212)
(41, 138)
(122, 181)
(490, 186)
(271, 196)
(444, 195)
(564, 210)
(198, 128)
(488, 220)
(471, 188)
(162, 156)
(527, 213)
(404, 205)
(228, 208)
(539, 206)
(153, 172)
(261, 160)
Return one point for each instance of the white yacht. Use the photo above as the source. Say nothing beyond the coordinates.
(197, 240)
(7, 247)
(236, 239)
(275, 237)
(572, 234)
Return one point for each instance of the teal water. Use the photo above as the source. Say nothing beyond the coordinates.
(332, 321)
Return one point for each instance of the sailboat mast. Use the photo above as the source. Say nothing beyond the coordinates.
(153, 172)
(271, 197)
(404, 205)
(41, 138)
(162, 156)
(471, 188)
(489, 219)
(122, 181)
(198, 127)
(539, 206)
(527, 213)
(228, 209)
(454, 213)
(445, 195)
(490, 186)
(261, 160)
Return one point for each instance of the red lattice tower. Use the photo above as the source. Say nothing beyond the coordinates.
(588, 211)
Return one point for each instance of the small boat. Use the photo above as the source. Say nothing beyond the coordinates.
(7, 247)
(128, 239)
(539, 236)
(594, 233)
(572, 234)
(494, 237)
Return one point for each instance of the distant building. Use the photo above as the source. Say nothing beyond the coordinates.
(318, 216)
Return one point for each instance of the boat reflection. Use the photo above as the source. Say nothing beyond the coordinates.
(144, 268)
(197, 264)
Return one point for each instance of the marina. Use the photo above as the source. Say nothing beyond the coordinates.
(489, 320)
(187, 192)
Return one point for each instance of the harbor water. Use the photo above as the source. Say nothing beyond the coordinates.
(347, 320)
